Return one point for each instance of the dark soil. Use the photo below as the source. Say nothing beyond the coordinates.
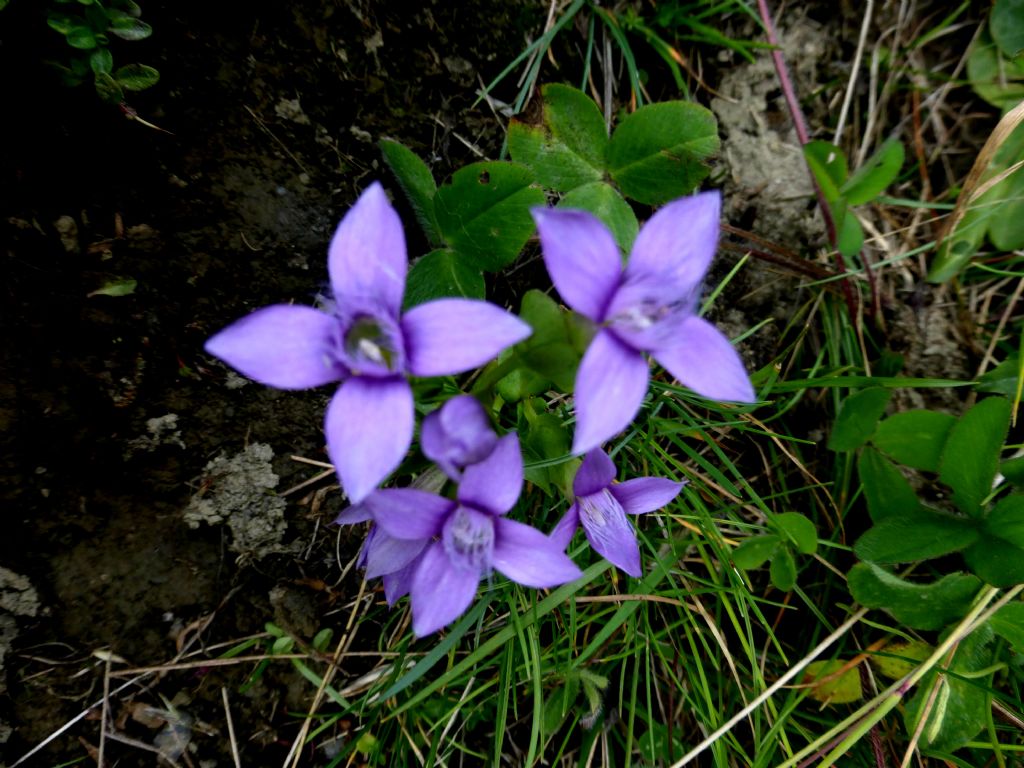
(271, 120)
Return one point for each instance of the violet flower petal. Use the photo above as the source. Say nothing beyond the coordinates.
(527, 556)
(595, 472)
(386, 554)
(581, 257)
(354, 513)
(367, 259)
(281, 346)
(495, 483)
(457, 434)
(369, 425)
(399, 583)
(440, 591)
(610, 387)
(678, 242)
(566, 527)
(408, 513)
(449, 336)
(703, 359)
(609, 531)
(645, 494)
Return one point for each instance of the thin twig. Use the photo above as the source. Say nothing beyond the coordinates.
(231, 728)
(854, 70)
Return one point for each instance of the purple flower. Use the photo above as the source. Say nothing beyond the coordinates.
(365, 342)
(602, 506)
(457, 434)
(649, 306)
(467, 538)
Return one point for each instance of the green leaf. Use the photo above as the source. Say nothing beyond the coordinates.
(1008, 623)
(575, 120)
(919, 606)
(484, 212)
(857, 418)
(797, 530)
(960, 709)
(548, 351)
(1006, 226)
(136, 77)
(554, 164)
(998, 557)
(878, 172)
(886, 491)
(102, 61)
(81, 37)
(115, 287)
(914, 438)
(783, 570)
(521, 384)
(109, 91)
(755, 551)
(658, 152)
(1004, 198)
(1001, 380)
(417, 182)
(442, 273)
(282, 645)
(997, 79)
(1013, 470)
(971, 454)
(62, 22)
(849, 233)
(900, 658)
(828, 164)
(322, 639)
(545, 438)
(130, 28)
(918, 536)
(607, 204)
(1007, 26)
(834, 688)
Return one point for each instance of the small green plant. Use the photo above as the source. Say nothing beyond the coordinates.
(87, 27)
(843, 191)
(970, 509)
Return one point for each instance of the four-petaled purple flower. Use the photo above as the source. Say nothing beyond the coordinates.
(364, 341)
(648, 306)
(466, 538)
(602, 506)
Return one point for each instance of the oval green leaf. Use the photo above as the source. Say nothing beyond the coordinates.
(607, 204)
(136, 77)
(878, 172)
(886, 491)
(417, 182)
(81, 37)
(755, 551)
(556, 166)
(439, 274)
(658, 153)
(484, 212)
(108, 89)
(857, 418)
(102, 61)
(798, 530)
(783, 570)
(919, 606)
(130, 28)
(576, 121)
(970, 457)
(914, 438)
(919, 536)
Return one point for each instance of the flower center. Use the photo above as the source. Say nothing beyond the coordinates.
(372, 345)
(647, 313)
(468, 538)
